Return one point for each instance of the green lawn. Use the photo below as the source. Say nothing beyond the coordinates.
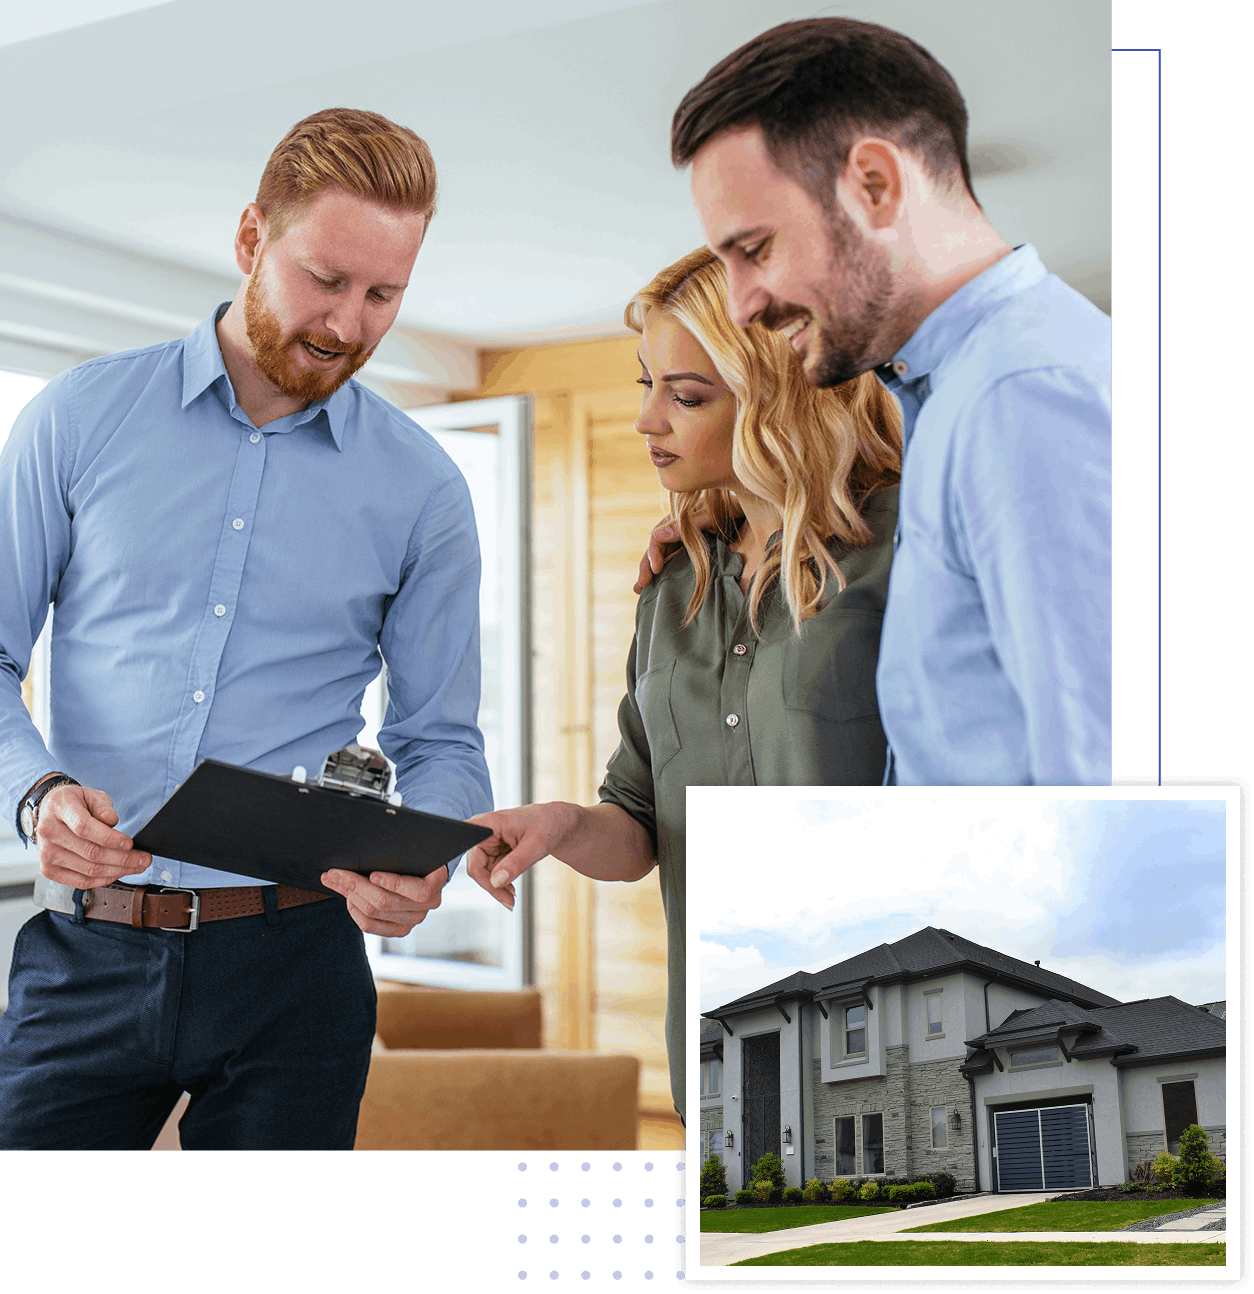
(1067, 1215)
(796, 1215)
(993, 1253)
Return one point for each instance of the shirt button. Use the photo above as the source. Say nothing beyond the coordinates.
(198, 697)
(739, 649)
(219, 610)
(900, 367)
(255, 437)
(238, 523)
(167, 876)
(732, 720)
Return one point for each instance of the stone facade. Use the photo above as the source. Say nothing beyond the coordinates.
(905, 1096)
(1142, 1146)
(1218, 1138)
(938, 1082)
(711, 1117)
(857, 1096)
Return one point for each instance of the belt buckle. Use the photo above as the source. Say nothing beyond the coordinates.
(193, 916)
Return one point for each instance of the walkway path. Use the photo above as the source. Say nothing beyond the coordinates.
(722, 1248)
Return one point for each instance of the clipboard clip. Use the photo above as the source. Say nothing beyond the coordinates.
(357, 771)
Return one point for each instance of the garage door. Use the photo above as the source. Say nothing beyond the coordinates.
(1043, 1150)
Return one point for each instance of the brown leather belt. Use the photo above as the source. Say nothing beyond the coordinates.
(168, 908)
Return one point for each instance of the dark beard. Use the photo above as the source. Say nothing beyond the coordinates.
(273, 351)
(846, 346)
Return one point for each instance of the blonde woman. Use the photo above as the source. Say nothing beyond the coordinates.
(755, 650)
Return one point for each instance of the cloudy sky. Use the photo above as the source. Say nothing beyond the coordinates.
(1124, 893)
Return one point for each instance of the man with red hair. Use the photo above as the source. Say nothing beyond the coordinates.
(232, 532)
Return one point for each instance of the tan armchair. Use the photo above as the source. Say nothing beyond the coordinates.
(455, 1070)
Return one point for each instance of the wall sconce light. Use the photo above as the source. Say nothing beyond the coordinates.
(787, 1134)
(729, 1139)
(955, 1119)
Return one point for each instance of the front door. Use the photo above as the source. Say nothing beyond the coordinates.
(760, 1058)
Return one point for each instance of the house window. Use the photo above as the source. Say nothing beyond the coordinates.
(935, 1013)
(872, 1144)
(845, 1155)
(713, 1142)
(1033, 1056)
(711, 1077)
(1179, 1111)
(855, 1030)
(940, 1133)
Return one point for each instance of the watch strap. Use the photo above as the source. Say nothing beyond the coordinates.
(32, 801)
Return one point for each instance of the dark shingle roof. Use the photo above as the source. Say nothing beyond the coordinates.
(1132, 1032)
(926, 952)
(710, 1030)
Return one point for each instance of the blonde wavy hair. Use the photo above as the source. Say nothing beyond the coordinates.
(814, 454)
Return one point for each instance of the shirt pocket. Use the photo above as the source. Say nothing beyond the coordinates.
(831, 674)
(653, 700)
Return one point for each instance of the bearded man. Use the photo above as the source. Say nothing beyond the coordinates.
(232, 532)
(829, 171)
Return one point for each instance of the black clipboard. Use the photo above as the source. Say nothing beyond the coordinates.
(270, 827)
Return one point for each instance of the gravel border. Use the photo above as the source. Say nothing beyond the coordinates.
(1153, 1224)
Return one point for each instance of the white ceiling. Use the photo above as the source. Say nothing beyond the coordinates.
(147, 131)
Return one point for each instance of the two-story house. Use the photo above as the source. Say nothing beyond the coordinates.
(936, 1053)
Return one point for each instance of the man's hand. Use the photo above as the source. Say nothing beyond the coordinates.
(664, 537)
(520, 838)
(77, 843)
(387, 904)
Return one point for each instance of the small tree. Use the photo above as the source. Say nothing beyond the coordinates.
(1196, 1166)
(713, 1177)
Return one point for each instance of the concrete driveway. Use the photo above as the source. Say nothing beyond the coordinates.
(721, 1249)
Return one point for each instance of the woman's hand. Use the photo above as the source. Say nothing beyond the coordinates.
(520, 838)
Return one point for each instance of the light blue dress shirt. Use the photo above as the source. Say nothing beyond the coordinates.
(226, 592)
(994, 666)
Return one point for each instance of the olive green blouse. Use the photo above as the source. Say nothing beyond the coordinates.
(713, 704)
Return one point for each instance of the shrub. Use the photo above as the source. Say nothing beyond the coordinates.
(716, 1202)
(900, 1194)
(869, 1191)
(906, 1192)
(945, 1183)
(1154, 1187)
(769, 1168)
(1127, 1187)
(763, 1190)
(1164, 1169)
(840, 1190)
(925, 1190)
(745, 1197)
(814, 1192)
(713, 1177)
(1197, 1167)
(792, 1195)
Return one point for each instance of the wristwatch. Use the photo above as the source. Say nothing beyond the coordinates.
(28, 819)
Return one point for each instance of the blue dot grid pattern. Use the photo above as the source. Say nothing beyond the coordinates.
(601, 1221)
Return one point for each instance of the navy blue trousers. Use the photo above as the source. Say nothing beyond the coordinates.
(265, 1021)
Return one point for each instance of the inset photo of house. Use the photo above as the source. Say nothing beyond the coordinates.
(961, 1027)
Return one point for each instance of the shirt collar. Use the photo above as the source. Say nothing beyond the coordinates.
(203, 366)
(958, 314)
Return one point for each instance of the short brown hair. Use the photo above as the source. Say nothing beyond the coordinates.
(350, 149)
(814, 86)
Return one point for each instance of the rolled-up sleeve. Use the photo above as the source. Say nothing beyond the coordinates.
(1032, 509)
(35, 525)
(430, 642)
(629, 773)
